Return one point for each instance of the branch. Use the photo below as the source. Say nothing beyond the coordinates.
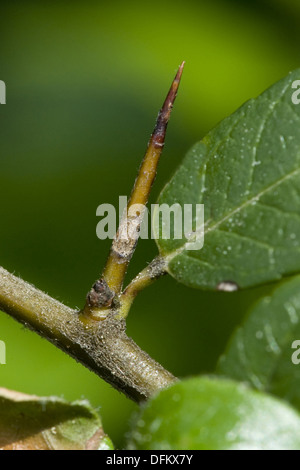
(145, 278)
(126, 238)
(103, 346)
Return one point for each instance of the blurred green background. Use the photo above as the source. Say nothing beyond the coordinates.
(85, 81)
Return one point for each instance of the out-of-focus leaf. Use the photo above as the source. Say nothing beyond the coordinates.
(246, 172)
(211, 414)
(260, 351)
(35, 423)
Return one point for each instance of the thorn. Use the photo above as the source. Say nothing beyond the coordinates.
(159, 133)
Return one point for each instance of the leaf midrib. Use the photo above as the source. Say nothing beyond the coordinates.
(230, 214)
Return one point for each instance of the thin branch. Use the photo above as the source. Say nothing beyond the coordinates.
(145, 278)
(103, 347)
(125, 241)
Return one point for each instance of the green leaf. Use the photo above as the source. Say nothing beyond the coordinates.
(34, 423)
(246, 172)
(210, 414)
(260, 351)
